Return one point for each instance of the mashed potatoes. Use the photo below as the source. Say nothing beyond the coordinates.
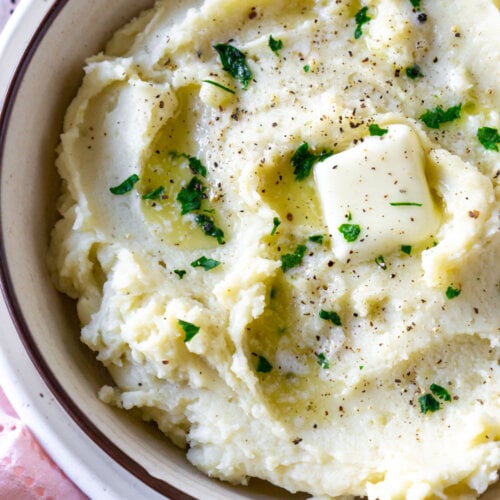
(280, 223)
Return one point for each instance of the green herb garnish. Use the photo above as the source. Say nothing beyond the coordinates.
(126, 186)
(196, 166)
(263, 365)
(154, 194)
(205, 263)
(451, 292)
(361, 18)
(275, 45)
(234, 62)
(208, 226)
(414, 71)
(215, 84)
(303, 160)
(276, 223)
(376, 130)
(488, 137)
(428, 403)
(317, 238)
(416, 4)
(405, 204)
(322, 361)
(290, 260)
(440, 392)
(433, 118)
(306, 68)
(381, 262)
(189, 329)
(406, 249)
(350, 232)
(330, 316)
(180, 273)
(191, 195)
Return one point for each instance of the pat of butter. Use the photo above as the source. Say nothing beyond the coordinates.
(379, 187)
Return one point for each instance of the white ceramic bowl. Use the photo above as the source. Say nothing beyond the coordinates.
(49, 375)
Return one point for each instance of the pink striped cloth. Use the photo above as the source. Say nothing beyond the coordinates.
(26, 471)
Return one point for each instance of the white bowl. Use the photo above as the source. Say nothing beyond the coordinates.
(49, 375)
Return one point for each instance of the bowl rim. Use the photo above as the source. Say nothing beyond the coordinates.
(11, 301)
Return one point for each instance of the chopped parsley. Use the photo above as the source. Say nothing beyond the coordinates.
(451, 292)
(126, 186)
(488, 137)
(205, 263)
(303, 160)
(428, 403)
(263, 365)
(154, 194)
(234, 62)
(317, 238)
(219, 85)
(376, 130)
(276, 223)
(306, 68)
(275, 45)
(180, 273)
(406, 249)
(191, 195)
(405, 204)
(208, 226)
(290, 260)
(361, 18)
(414, 71)
(196, 166)
(322, 361)
(189, 329)
(350, 232)
(433, 118)
(440, 392)
(415, 4)
(381, 262)
(330, 316)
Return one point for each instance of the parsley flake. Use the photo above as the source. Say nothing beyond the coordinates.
(414, 71)
(406, 249)
(189, 329)
(290, 260)
(234, 62)
(433, 118)
(376, 130)
(126, 186)
(263, 365)
(219, 85)
(350, 232)
(381, 262)
(154, 194)
(428, 403)
(208, 226)
(317, 238)
(180, 273)
(191, 195)
(275, 45)
(440, 392)
(415, 4)
(196, 166)
(205, 263)
(322, 361)
(330, 316)
(488, 137)
(451, 292)
(306, 68)
(405, 204)
(361, 18)
(303, 160)
(276, 223)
